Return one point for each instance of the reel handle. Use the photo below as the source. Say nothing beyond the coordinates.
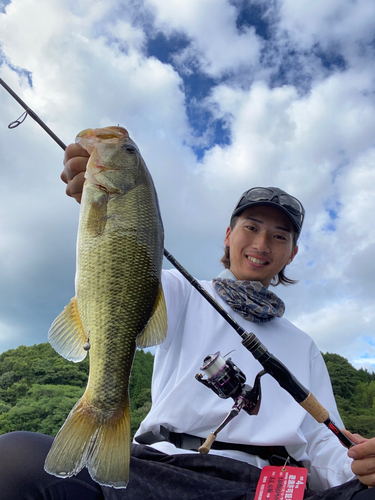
(206, 446)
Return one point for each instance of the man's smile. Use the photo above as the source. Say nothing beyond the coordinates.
(256, 260)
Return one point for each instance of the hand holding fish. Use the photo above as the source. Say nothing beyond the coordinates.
(75, 163)
(363, 454)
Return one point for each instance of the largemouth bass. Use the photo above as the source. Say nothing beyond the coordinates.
(119, 304)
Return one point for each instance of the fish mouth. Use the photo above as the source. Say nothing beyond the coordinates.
(90, 137)
(105, 134)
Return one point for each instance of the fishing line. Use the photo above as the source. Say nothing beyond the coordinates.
(121, 110)
(270, 363)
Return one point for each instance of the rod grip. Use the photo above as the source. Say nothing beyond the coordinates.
(316, 410)
(206, 446)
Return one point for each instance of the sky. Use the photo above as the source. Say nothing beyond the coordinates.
(220, 96)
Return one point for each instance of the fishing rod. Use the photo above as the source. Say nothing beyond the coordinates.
(270, 363)
(30, 112)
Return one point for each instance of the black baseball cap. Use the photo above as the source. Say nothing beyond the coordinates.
(273, 197)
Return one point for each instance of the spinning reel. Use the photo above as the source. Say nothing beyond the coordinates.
(226, 380)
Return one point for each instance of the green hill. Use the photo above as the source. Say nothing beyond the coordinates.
(38, 388)
(355, 394)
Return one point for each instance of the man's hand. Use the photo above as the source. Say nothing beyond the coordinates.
(75, 162)
(363, 453)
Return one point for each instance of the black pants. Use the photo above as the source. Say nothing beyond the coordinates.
(153, 475)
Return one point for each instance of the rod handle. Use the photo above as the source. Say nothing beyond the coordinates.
(206, 446)
(316, 410)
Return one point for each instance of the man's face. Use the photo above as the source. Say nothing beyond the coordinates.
(260, 244)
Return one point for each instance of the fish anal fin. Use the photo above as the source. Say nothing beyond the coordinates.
(97, 217)
(156, 329)
(94, 439)
(66, 334)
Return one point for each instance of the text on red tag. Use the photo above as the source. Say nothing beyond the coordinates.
(281, 483)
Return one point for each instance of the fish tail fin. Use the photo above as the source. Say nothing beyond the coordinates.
(96, 440)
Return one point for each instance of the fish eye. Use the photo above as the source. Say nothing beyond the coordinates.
(130, 148)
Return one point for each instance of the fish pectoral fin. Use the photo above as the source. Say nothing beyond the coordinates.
(156, 329)
(97, 217)
(98, 440)
(66, 334)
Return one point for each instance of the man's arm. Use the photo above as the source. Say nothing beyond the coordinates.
(75, 162)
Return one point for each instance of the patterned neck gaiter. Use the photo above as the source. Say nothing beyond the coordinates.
(249, 298)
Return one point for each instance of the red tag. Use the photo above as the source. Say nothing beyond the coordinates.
(281, 483)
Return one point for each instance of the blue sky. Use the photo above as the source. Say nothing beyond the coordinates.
(220, 96)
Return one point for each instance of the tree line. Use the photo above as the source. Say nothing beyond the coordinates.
(355, 394)
(38, 388)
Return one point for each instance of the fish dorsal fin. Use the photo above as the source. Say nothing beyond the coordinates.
(66, 334)
(97, 217)
(156, 329)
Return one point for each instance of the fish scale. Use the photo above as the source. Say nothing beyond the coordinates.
(118, 305)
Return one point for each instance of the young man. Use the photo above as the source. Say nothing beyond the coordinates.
(260, 242)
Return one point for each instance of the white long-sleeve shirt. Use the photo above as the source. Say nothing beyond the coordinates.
(182, 404)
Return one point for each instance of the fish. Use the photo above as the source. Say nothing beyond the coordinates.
(118, 305)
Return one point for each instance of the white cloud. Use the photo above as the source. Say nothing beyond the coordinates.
(339, 319)
(328, 23)
(216, 44)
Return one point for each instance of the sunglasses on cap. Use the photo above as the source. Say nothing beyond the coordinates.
(272, 197)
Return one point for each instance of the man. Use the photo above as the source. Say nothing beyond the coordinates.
(260, 242)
